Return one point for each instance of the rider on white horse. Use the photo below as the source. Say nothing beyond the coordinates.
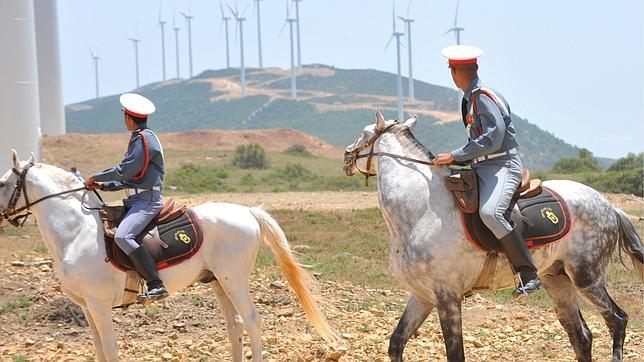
(492, 148)
(141, 175)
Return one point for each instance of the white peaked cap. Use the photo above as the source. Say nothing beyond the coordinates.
(136, 105)
(461, 54)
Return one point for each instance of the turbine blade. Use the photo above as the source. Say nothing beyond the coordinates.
(449, 31)
(232, 11)
(408, 8)
(160, 5)
(282, 29)
(244, 12)
(388, 43)
(393, 15)
(287, 10)
(456, 14)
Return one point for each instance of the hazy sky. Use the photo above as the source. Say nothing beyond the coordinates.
(572, 67)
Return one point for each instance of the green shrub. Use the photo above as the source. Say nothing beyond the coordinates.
(630, 162)
(251, 155)
(291, 173)
(193, 178)
(298, 150)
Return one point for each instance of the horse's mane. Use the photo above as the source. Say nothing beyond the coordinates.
(409, 141)
(58, 175)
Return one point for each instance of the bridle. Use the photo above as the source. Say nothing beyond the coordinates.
(13, 215)
(352, 156)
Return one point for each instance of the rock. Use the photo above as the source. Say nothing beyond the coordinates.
(285, 312)
(278, 284)
(174, 335)
(166, 356)
(60, 345)
(18, 263)
(29, 342)
(378, 312)
(334, 356)
(180, 326)
(347, 335)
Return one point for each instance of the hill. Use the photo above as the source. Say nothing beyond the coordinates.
(333, 104)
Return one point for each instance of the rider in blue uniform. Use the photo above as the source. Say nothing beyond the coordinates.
(492, 148)
(140, 173)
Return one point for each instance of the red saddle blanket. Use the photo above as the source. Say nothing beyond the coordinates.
(542, 219)
(170, 243)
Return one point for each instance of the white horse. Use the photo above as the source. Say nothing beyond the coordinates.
(432, 257)
(74, 236)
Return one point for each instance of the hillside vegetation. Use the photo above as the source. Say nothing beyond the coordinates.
(333, 104)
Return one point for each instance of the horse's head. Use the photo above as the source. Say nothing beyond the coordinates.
(12, 187)
(364, 145)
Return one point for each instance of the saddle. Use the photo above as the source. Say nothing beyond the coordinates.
(540, 213)
(172, 237)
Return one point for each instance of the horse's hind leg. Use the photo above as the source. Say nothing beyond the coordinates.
(99, 313)
(615, 318)
(241, 299)
(233, 321)
(562, 292)
(413, 317)
(98, 345)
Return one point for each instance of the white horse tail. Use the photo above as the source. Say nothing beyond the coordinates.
(298, 278)
(629, 241)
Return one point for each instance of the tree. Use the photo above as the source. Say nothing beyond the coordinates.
(630, 162)
(584, 163)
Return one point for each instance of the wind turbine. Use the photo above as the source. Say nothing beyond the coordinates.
(225, 20)
(188, 22)
(242, 69)
(135, 42)
(259, 33)
(290, 22)
(299, 46)
(95, 58)
(176, 40)
(162, 26)
(457, 31)
(408, 22)
(397, 35)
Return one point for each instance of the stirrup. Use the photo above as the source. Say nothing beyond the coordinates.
(147, 297)
(521, 291)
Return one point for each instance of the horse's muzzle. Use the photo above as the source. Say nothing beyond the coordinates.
(349, 163)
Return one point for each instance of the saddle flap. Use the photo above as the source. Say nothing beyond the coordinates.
(169, 212)
(464, 188)
(525, 181)
(111, 216)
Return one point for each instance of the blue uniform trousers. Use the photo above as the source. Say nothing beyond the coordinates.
(498, 180)
(142, 208)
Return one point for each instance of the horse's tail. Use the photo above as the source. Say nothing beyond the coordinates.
(298, 278)
(629, 241)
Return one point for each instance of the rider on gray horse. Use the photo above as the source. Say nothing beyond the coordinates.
(141, 175)
(492, 148)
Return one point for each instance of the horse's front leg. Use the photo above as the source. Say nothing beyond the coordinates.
(449, 314)
(99, 316)
(413, 317)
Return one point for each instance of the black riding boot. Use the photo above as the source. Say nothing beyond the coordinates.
(521, 261)
(145, 266)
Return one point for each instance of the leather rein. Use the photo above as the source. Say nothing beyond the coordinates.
(20, 189)
(351, 157)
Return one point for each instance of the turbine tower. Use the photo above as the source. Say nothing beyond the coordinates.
(188, 23)
(176, 41)
(135, 42)
(457, 31)
(397, 35)
(259, 33)
(225, 20)
(242, 68)
(299, 45)
(95, 58)
(407, 20)
(162, 26)
(290, 22)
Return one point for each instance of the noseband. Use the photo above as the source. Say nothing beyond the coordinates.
(351, 157)
(13, 215)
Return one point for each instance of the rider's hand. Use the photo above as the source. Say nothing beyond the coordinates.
(443, 159)
(91, 184)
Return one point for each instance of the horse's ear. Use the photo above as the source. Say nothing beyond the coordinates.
(32, 158)
(411, 123)
(380, 120)
(14, 158)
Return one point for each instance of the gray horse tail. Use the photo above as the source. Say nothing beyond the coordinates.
(630, 242)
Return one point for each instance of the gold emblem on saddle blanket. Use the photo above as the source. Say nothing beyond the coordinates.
(181, 235)
(547, 213)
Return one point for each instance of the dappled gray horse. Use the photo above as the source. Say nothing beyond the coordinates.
(432, 257)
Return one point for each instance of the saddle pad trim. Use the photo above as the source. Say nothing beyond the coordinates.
(531, 242)
(168, 262)
(469, 236)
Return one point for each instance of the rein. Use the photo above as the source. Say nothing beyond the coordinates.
(9, 213)
(351, 157)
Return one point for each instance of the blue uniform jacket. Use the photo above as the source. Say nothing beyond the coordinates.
(142, 166)
(491, 131)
